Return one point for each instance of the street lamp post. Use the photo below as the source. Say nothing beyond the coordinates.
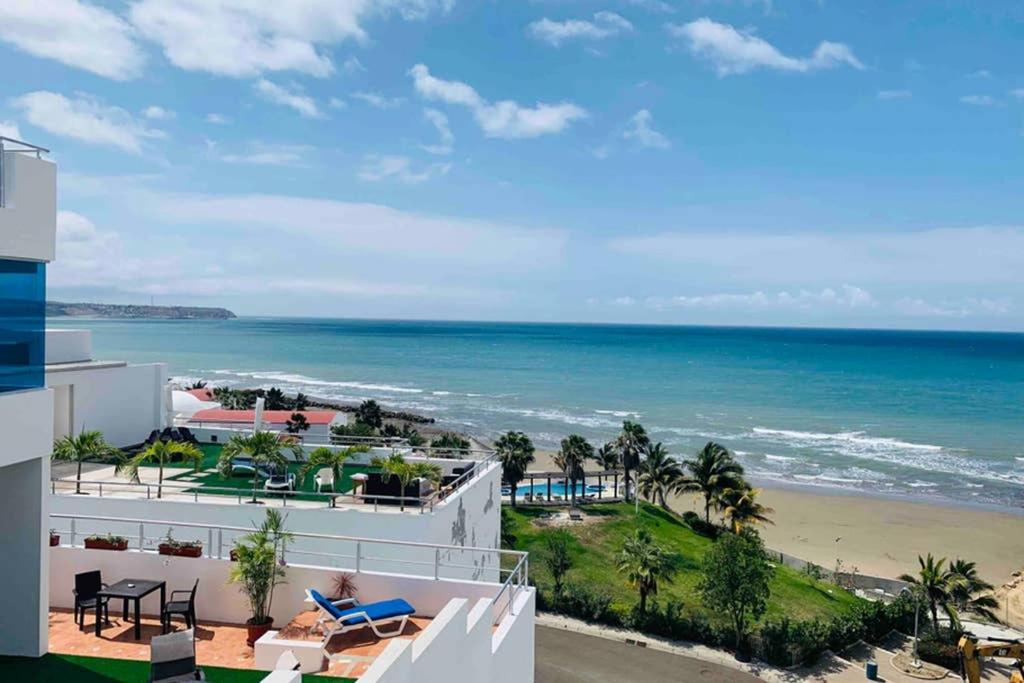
(917, 614)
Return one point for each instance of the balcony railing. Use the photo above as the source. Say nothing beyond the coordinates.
(511, 567)
(12, 145)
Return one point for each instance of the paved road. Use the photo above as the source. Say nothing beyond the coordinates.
(567, 657)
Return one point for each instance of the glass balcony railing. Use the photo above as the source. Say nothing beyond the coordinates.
(22, 325)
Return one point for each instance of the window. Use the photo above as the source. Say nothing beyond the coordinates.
(22, 324)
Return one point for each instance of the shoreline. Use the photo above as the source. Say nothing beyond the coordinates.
(880, 534)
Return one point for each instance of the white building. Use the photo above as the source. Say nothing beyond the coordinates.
(123, 401)
(28, 225)
(319, 421)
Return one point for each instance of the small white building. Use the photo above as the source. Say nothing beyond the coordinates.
(319, 421)
(124, 401)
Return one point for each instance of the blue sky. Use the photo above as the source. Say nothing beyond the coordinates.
(666, 161)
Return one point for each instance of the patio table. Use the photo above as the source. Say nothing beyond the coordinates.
(134, 590)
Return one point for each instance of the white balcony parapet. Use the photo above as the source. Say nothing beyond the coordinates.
(28, 201)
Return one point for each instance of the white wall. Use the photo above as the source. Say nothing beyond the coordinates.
(68, 346)
(26, 423)
(359, 521)
(124, 402)
(28, 222)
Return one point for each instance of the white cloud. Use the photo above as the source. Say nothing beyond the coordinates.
(964, 307)
(377, 100)
(9, 129)
(979, 100)
(642, 132)
(75, 33)
(504, 119)
(657, 6)
(85, 118)
(81, 248)
(980, 73)
(845, 297)
(894, 95)
(733, 51)
(258, 153)
(384, 167)
(353, 65)
(440, 122)
(604, 25)
(246, 38)
(158, 113)
(1018, 93)
(337, 103)
(304, 104)
(217, 119)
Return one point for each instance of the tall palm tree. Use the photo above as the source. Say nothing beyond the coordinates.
(741, 508)
(645, 564)
(965, 593)
(608, 457)
(88, 445)
(161, 452)
(659, 475)
(632, 441)
(275, 399)
(571, 458)
(263, 449)
(334, 458)
(395, 466)
(712, 472)
(937, 584)
(515, 450)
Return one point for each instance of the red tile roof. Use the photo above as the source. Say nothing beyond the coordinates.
(313, 417)
(202, 394)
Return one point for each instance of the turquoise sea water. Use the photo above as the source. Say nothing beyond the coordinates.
(930, 413)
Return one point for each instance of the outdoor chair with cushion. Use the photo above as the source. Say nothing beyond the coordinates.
(182, 603)
(335, 619)
(172, 658)
(324, 477)
(87, 585)
(280, 480)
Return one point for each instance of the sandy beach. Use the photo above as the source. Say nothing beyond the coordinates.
(878, 535)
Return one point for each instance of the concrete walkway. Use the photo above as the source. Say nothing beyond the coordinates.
(569, 657)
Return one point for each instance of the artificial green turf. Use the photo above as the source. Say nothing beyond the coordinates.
(211, 453)
(54, 668)
(596, 545)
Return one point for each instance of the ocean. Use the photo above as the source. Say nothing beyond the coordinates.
(933, 414)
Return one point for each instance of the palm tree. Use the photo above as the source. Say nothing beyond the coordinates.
(396, 467)
(608, 456)
(659, 474)
(712, 472)
(296, 423)
(965, 592)
(275, 399)
(632, 441)
(741, 508)
(369, 413)
(449, 445)
(516, 453)
(937, 584)
(198, 384)
(161, 452)
(263, 449)
(572, 457)
(88, 445)
(645, 564)
(334, 458)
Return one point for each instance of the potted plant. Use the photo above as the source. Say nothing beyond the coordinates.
(259, 568)
(172, 546)
(108, 542)
(54, 538)
(343, 585)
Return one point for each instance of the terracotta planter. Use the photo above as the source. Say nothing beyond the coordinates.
(180, 551)
(233, 555)
(256, 631)
(104, 544)
(54, 540)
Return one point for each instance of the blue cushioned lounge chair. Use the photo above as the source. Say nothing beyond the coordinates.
(341, 616)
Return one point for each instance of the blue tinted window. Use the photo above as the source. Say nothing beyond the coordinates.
(22, 324)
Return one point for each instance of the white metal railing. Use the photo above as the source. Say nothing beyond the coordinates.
(23, 147)
(438, 567)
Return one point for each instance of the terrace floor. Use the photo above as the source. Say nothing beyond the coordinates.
(217, 645)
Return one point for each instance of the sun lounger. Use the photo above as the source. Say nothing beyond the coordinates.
(280, 481)
(335, 618)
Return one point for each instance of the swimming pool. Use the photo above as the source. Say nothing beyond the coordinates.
(557, 489)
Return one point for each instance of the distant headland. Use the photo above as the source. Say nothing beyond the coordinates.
(83, 310)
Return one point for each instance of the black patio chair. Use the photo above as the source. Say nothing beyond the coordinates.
(87, 585)
(187, 435)
(185, 608)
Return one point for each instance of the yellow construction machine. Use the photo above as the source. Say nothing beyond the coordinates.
(972, 651)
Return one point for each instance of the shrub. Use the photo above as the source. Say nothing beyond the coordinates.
(672, 622)
(939, 652)
(697, 523)
(775, 641)
(580, 602)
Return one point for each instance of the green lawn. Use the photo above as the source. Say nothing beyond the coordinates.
(211, 452)
(596, 546)
(53, 668)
